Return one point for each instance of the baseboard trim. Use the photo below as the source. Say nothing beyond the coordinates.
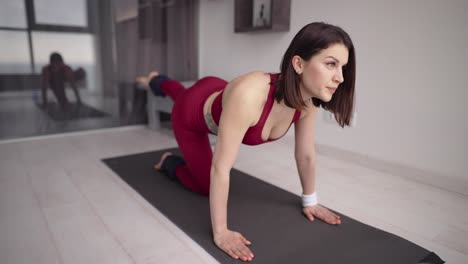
(422, 176)
(78, 133)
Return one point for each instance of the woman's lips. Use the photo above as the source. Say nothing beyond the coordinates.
(332, 90)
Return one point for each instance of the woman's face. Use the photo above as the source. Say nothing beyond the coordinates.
(322, 73)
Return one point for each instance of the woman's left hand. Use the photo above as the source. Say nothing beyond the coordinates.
(322, 213)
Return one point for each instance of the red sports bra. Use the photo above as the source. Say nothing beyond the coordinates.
(253, 135)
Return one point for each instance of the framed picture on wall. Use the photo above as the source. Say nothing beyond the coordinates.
(262, 16)
(261, 13)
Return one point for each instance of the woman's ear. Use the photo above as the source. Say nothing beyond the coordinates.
(297, 64)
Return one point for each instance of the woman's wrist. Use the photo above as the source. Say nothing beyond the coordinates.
(219, 231)
(309, 199)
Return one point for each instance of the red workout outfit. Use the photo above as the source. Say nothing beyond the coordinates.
(191, 131)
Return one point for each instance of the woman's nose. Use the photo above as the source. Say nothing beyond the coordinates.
(339, 76)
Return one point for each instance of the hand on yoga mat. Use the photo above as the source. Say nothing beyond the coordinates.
(234, 244)
(321, 213)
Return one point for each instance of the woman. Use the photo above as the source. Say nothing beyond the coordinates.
(54, 76)
(317, 70)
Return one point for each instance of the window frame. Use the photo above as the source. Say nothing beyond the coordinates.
(34, 26)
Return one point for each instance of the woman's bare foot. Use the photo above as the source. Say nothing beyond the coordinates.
(143, 81)
(163, 157)
(152, 74)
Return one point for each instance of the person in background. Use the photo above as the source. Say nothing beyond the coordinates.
(54, 76)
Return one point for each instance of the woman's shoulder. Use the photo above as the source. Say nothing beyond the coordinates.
(252, 87)
(258, 77)
(254, 83)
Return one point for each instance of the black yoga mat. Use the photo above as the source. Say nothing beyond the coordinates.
(268, 216)
(73, 111)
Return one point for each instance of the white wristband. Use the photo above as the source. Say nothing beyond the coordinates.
(309, 199)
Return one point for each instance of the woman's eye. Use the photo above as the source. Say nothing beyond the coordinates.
(331, 64)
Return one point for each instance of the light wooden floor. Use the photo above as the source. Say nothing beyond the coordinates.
(60, 204)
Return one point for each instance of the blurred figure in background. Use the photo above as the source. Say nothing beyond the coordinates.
(54, 76)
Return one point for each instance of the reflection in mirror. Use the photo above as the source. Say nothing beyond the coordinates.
(52, 80)
(71, 65)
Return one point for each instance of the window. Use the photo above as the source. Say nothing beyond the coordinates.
(14, 54)
(61, 12)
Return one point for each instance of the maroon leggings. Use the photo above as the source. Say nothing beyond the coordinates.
(190, 130)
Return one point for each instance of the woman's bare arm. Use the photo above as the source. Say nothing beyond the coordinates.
(241, 109)
(70, 76)
(304, 150)
(305, 155)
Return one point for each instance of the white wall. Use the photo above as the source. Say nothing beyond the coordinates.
(412, 59)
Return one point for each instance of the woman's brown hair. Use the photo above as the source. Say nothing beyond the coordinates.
(310, 40)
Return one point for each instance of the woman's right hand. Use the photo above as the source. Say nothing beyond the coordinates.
(234, 244)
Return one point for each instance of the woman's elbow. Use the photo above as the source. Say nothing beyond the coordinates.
(305, 157)
(219, 170)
